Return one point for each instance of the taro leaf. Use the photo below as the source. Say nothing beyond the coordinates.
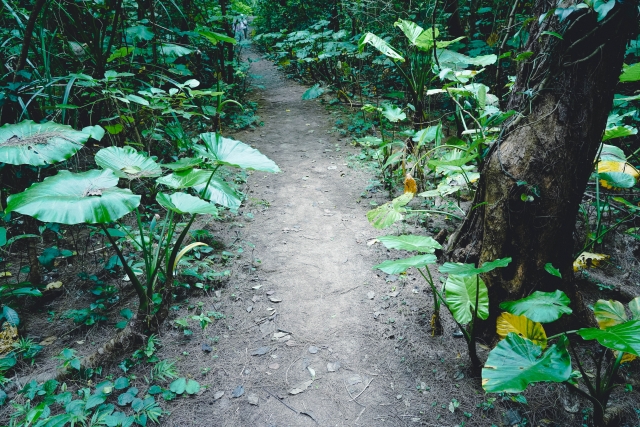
(126, 162)
(221, 193)
(522, 326)
(455, 60)
(10, 315)
(470, 269)
(385, 215)
(410, 29)
(30, 143)
(139, 32)
(313, 92)
(185, 203)
(155, 389)
(634, 306)
(616, 180)
(631, 73)
(609, 313)
(543, 307)
(401, 265)
(623, 337)
(618, 132)
(460, 293)
(126, 313)
(183, 164)
(174, 50)
(185, 178)
(227, 151)
(125, 398)
(423, 244)
(214, 37)
(192, 387)
(392, 113)
(3, 236)
(611, 152)
(382, 46)
(3, 397)
(516, 362)
(68, 198)
(178, 386)
(7, 362)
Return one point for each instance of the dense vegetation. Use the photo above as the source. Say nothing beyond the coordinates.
(113, 115)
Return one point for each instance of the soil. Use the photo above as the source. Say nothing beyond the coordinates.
(312, 334)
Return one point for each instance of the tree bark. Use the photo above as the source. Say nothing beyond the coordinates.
(545, 156)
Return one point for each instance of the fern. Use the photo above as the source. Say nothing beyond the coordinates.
(164, 370)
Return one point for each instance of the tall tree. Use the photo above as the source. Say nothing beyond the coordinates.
(535, 174)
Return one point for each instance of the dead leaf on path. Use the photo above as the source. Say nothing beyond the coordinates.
(255, 298)
(299, 388)
(274, 300)
(48, 341)
(313, 349)
(270, 292)
(253, 399)
(587, 259)
(260, 351)
(372, 242)
(218, 395)
(238, 391)
(280, 335)
(356, 379)
(394, 294)
(371, 295)
(333, 366)
(257, 287)
(332, 167)
(312, 372)
(53, 285)
(249, 309)
(274, 366)
(291, 343)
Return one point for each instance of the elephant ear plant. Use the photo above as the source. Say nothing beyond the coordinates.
(192, 188)
(465, 295)
(523, 356)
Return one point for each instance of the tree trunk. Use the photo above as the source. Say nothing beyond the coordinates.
(534, 176)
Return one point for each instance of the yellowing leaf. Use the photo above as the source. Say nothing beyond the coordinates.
(8, 336)
(587, 259)
(48, 341)
(5, 274)
(626, 357)
(53, 285)
(410, 185)
(616, 166)
(609, 313)
(522, 326)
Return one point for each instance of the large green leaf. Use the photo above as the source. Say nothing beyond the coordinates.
(174, 50)
(126, 162)
(424, 244)
(618, 179)
(401, 265)
(392, 113)
(221, 193)
(30, 143)
(185, 203)
(623, 337)
(611, 152)
(516, 362)
(631, 73)
(214, 37)
(470, 269)
(68, 198)
(227, 151)
(543, 307)
(313, 92)
(185, 178)
(619, 132)
(385, 215)
(609, 313)
(450, 59)
(410, 29)
(460, 292)
(183, 164)
(382, 46)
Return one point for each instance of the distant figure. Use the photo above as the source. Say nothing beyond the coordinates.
(241, 27)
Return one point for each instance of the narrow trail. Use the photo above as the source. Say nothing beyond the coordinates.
(366, 353)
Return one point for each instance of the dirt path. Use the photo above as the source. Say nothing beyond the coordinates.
(367, 355)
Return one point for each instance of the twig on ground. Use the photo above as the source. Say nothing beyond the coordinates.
(352, 398)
